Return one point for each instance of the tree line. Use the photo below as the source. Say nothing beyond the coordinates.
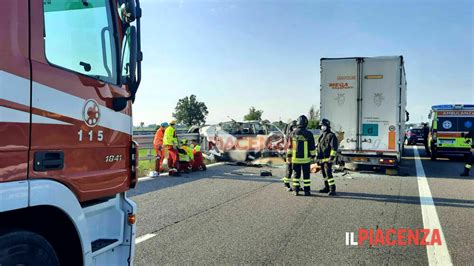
(191, 112)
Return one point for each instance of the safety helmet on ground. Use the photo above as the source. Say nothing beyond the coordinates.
(173, 122)
(164, 124)
(302, 121)
(184, 141)
(325, 122)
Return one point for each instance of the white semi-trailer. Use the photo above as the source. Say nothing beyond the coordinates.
(365, 100)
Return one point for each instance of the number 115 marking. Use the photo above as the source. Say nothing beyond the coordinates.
(100, 135)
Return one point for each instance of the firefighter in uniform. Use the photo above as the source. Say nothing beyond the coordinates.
(327, 149)
(301, 149)
(289, 165)
(470, 160)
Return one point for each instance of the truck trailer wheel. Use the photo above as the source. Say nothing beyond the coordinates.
(26, 248)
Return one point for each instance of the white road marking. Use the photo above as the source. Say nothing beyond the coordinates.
(437, 255)
(143, 238)
(138, 240)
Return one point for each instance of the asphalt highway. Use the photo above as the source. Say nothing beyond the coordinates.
(230, 214)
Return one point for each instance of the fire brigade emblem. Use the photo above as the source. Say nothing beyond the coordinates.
(378, 99)
(91, 113)
(341, 99)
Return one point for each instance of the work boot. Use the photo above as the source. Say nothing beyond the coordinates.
(307, 191)
(288, 187)
(332, 191)
(297, 191)
(466, 172)
(325, 189)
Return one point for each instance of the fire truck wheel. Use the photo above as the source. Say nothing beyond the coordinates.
(26, 248)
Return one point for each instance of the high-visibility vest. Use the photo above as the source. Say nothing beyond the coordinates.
(170, 137)
(189, 151)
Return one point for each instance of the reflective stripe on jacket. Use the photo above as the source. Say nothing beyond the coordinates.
(301, 146)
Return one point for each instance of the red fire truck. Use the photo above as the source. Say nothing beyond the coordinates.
(69, 72)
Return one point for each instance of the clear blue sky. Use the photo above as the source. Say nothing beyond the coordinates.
(237, 54)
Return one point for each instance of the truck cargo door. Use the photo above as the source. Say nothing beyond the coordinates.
(380, 104)
(14, 91)
(339, 86)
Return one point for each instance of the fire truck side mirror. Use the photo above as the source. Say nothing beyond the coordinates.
(119, 103)
(128, 11)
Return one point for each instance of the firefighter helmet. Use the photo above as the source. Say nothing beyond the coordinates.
(325, 122)
(302, 121)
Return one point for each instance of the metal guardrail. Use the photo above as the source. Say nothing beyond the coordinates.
(145, 142)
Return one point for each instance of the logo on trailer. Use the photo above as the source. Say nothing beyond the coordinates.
(391, 128)
(341, 99)
(378, 99)
(91, 113)
(447, 124)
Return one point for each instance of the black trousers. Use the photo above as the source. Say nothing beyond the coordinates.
(470, 161)
(297, 169)
(326, 169)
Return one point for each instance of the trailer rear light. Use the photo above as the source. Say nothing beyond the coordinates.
(387, 161)
(131, 219)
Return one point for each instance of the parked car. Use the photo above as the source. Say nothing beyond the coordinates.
(414, 136)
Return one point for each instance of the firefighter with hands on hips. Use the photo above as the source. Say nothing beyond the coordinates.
(301, 149)
(327, 149)
(289, 165)
(470, 160)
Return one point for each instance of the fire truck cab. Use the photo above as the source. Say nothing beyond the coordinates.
(69, 72)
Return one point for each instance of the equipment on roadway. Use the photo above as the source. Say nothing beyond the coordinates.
(365, 99)
(69, 72)
(448, 122)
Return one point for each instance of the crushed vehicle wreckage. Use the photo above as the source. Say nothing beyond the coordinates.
(239, 141)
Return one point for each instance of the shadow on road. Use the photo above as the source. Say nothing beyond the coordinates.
(230, 172)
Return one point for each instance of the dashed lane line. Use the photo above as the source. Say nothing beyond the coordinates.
(144, 238)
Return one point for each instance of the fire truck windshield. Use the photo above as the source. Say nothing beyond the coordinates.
(79, 36)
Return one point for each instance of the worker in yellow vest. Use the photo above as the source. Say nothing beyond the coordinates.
(170, 143)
